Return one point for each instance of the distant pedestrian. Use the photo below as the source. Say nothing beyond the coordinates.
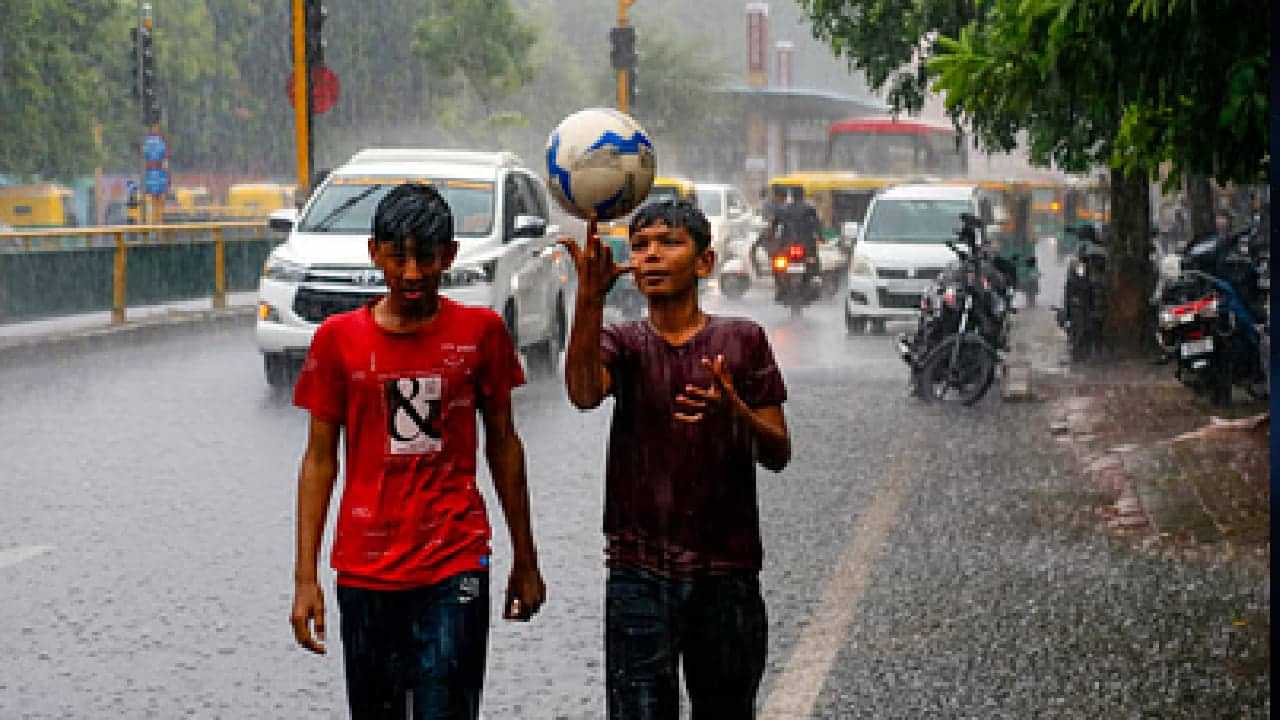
(403, 378)
(698, 401)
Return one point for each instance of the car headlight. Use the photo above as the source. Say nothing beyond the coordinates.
(468, 275)
(277, 268)
(861, 266)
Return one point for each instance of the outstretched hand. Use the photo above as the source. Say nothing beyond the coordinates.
(695, 403)
(596, 270)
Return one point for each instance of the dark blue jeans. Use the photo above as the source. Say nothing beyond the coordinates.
(715, 625)
(422, 649)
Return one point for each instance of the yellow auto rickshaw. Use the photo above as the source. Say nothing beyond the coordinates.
(187, 204)
(251, 201)
(42, 205)
(839, 197)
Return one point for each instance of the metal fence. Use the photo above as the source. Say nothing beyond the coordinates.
(70, 270)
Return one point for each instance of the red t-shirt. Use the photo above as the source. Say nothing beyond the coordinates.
(410, 514)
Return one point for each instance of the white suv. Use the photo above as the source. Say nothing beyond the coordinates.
(901, 249)
(507, 259)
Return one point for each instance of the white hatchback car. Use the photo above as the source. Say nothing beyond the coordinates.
(901, 249)
(507, 259)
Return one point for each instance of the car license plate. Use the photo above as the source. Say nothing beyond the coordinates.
(1197, 347)
(795, 269)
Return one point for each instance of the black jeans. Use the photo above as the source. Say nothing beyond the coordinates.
(422, 649)
(715, 625)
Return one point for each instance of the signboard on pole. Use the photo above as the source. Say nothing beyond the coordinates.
(757, 44)
(154, 148)
(156, 181)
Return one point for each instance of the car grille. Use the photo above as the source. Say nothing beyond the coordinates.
(315, 305)
(924, 273)
(898, 301)
(361, 276)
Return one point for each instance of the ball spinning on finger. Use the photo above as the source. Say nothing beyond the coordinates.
(600, 164)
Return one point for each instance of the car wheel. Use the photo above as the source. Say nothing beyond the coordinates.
(275, 367)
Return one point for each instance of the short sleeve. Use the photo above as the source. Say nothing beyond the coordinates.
(322, 384)
(761, 384)
(499, 369)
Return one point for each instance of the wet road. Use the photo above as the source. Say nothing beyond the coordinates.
(914, 566)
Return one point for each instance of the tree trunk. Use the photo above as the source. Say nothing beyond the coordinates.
(1200, 205)
(1130, 276)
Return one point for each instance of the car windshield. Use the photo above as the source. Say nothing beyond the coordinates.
(346, 205)
(711, 202)
(922, 221)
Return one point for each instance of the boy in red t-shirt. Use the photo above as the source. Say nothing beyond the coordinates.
(698, 402)
(403, 378)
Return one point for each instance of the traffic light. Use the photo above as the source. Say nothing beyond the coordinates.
(316, 14)
(622, 54)
(134, 77)
(147, 77)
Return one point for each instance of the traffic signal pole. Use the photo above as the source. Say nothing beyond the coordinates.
(301, 97)
(624, 93)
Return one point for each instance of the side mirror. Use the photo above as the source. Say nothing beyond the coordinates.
(528, 226)
(849, 230)
(282, 220)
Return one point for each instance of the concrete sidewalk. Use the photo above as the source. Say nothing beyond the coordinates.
(85, 330)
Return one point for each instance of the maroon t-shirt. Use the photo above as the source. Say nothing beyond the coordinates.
(680, 498)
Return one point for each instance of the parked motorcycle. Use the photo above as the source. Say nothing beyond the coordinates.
(963, 323)
(1214, 315)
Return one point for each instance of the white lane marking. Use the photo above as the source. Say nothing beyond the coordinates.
(794, 694)
(15, 555)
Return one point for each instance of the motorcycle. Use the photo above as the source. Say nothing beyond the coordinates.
(963, 323)
(1085, 292)
(796, 280)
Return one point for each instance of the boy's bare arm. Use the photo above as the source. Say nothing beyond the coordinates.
(315, 488)
(586, 378)
(768, 424)
(525, 589)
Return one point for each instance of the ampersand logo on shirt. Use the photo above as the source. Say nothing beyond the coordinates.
(413, 415)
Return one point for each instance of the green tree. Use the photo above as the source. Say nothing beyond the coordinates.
(479, 46)
(55, 84)
(1130, 86)
(885, 38)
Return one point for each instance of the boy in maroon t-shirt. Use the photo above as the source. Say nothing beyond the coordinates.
(403, 377)
(698, 401)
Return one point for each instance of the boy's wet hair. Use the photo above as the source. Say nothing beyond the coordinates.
(413, 210)
(675, 214)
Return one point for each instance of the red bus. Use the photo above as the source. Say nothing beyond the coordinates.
(885, 146)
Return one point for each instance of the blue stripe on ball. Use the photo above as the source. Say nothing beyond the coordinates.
(554, 170)
(626, 146)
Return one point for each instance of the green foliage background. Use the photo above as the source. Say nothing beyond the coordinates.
(445, 73)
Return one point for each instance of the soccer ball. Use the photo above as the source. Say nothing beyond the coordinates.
(600, 164)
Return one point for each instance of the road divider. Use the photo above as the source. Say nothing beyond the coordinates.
(52, 272)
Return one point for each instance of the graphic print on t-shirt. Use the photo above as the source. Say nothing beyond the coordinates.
(413, 415)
